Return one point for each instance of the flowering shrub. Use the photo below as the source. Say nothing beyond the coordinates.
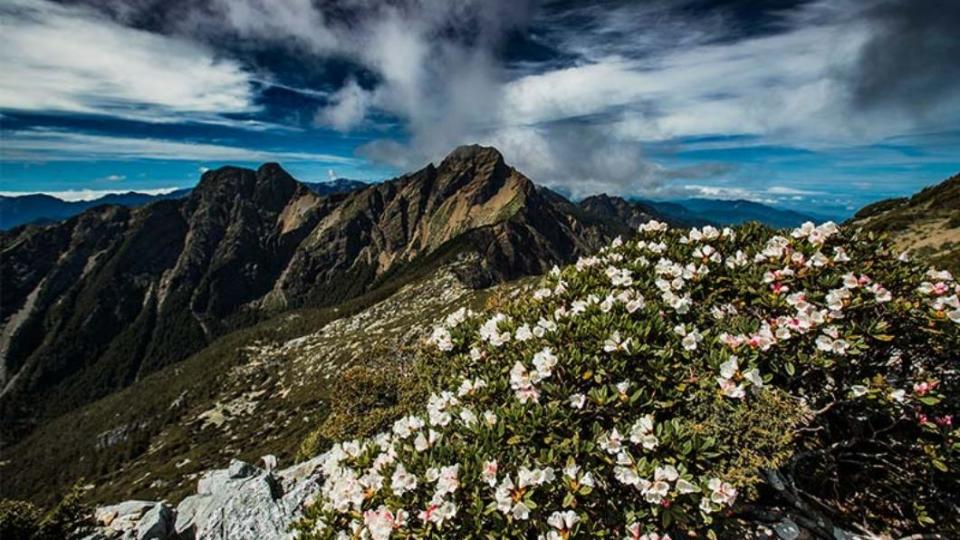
(697, 382)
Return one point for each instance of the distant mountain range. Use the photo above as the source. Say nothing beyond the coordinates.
(44, 209)
(39, 209)
(734, 212)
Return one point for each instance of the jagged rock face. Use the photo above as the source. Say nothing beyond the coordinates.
(94, 303)
(471, 201)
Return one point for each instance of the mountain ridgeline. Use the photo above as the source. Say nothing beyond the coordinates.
(39, 209)
(94, 303)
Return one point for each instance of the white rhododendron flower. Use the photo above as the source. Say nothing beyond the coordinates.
(577, 401)
(563, 522)
(441, 338)
(642, 433)
(381, 522)
(615, 343)
(731, 378)
(490, 331)
(402, 481)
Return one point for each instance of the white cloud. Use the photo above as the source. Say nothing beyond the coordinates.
(113, 178)
(644, 77)
(68, 59)
(47, 145)
(775, 85)
(347, 109)
(726, 193)
(72, 195)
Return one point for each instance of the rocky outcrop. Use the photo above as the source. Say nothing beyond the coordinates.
(241, 502)
(134, 520)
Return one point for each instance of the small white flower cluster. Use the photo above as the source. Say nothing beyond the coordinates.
(707, 234)
(563, 524)
(642, 433)
(523, 381)
(635, 532)
(938, 294)
(830, 341)
(691, 339)
(490, 330)
(509, 495)
(619, 277)
(731, 379)
(671, 280)
(815, 234)
(615, 343)
(653, 226)
(441, 337)
(720, 494)
(666, 480)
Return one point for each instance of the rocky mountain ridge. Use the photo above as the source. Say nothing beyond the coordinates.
(94, 303)
(42, 209)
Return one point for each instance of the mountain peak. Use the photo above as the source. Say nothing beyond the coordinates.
(474, 152)
(269, 183)
(272, 169)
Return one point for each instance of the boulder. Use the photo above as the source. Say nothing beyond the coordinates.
(156, 523)
(134, 520)
(241, 502)
(246, 502)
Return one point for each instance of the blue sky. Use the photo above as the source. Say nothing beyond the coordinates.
(823, 105)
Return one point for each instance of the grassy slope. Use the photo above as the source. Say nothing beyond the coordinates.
(927, 224)
(255, 391)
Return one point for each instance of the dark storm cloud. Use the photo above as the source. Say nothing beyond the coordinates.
(912, 60)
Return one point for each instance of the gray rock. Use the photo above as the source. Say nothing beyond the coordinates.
(246, 502)
(241, 502)
(185, 524)
(787, 529)
(156, 524)
(134, 520)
